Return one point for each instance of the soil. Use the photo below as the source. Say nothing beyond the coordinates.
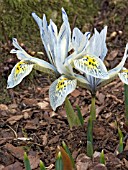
(27, 122)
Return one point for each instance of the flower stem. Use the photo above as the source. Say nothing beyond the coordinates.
(93, 108)
(126, 102)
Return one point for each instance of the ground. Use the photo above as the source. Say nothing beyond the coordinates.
(25, 112)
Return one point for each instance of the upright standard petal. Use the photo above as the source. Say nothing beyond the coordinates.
(61, 50)
(65, 20)
(39, 64)
(59, 90)
(91, 65)
(45, 36)
(97, 45)
(79, 40)
(20, 70)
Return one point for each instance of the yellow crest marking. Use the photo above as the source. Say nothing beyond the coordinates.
(62, 83)
(90, 62)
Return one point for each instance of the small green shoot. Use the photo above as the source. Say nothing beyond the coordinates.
(89, 149)
(121, 147)
(42, 167)
(73, 119)
(80, 115)
(69, 153)
(120, 134)
(26, 162)
(59, 162)
(102, 157)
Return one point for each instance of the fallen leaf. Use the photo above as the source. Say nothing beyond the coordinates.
(14, 119)
(83, 162)
(12, 106)
(75, 93)
(15, 166)
(66, 160)
(30, 102)
(112, 55)
(3, 107)
(34, 161)
(100, 167)
(30, 125)
(43, 105)
(125, 162)
(1, 167)
(17, 152)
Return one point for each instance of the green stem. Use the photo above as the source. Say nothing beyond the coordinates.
(93, 108)
(126, 102)
(90, 137)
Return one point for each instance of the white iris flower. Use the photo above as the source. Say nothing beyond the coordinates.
(57, 46)
(90, 62)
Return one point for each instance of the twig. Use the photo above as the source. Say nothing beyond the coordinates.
(13, 131)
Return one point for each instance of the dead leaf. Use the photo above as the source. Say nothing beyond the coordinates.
(17, 152)
(125, 162)
(30, 125)
(100, 167)
(13, 106)
(66, 160)
(101, 97)
(14, 119)
(112, 55)
(54, 139)
(44, 138)
(30, 102)
(43, 105)
(75, 93)
(34, 161)
(3, 107)
(15, 166)
(1, 167)
(83, 162)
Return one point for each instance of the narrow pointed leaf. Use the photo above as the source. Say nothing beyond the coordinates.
(67, 163)
(26, 162)
(120, 148)
(90, 130)
(102, 157)
(19, 71)
(120, 134)
(42, 167)
(59, 162)
(90, 137)
(69, 153)
(73, 119)
(89, 149)
(59, 89)
(92, 65)
(80, 115)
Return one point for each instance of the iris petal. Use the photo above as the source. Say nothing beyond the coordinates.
(20, 70)
(59, 90)
(92, 66)
(124, 75)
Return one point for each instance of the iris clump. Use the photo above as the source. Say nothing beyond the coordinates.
(87, 58)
